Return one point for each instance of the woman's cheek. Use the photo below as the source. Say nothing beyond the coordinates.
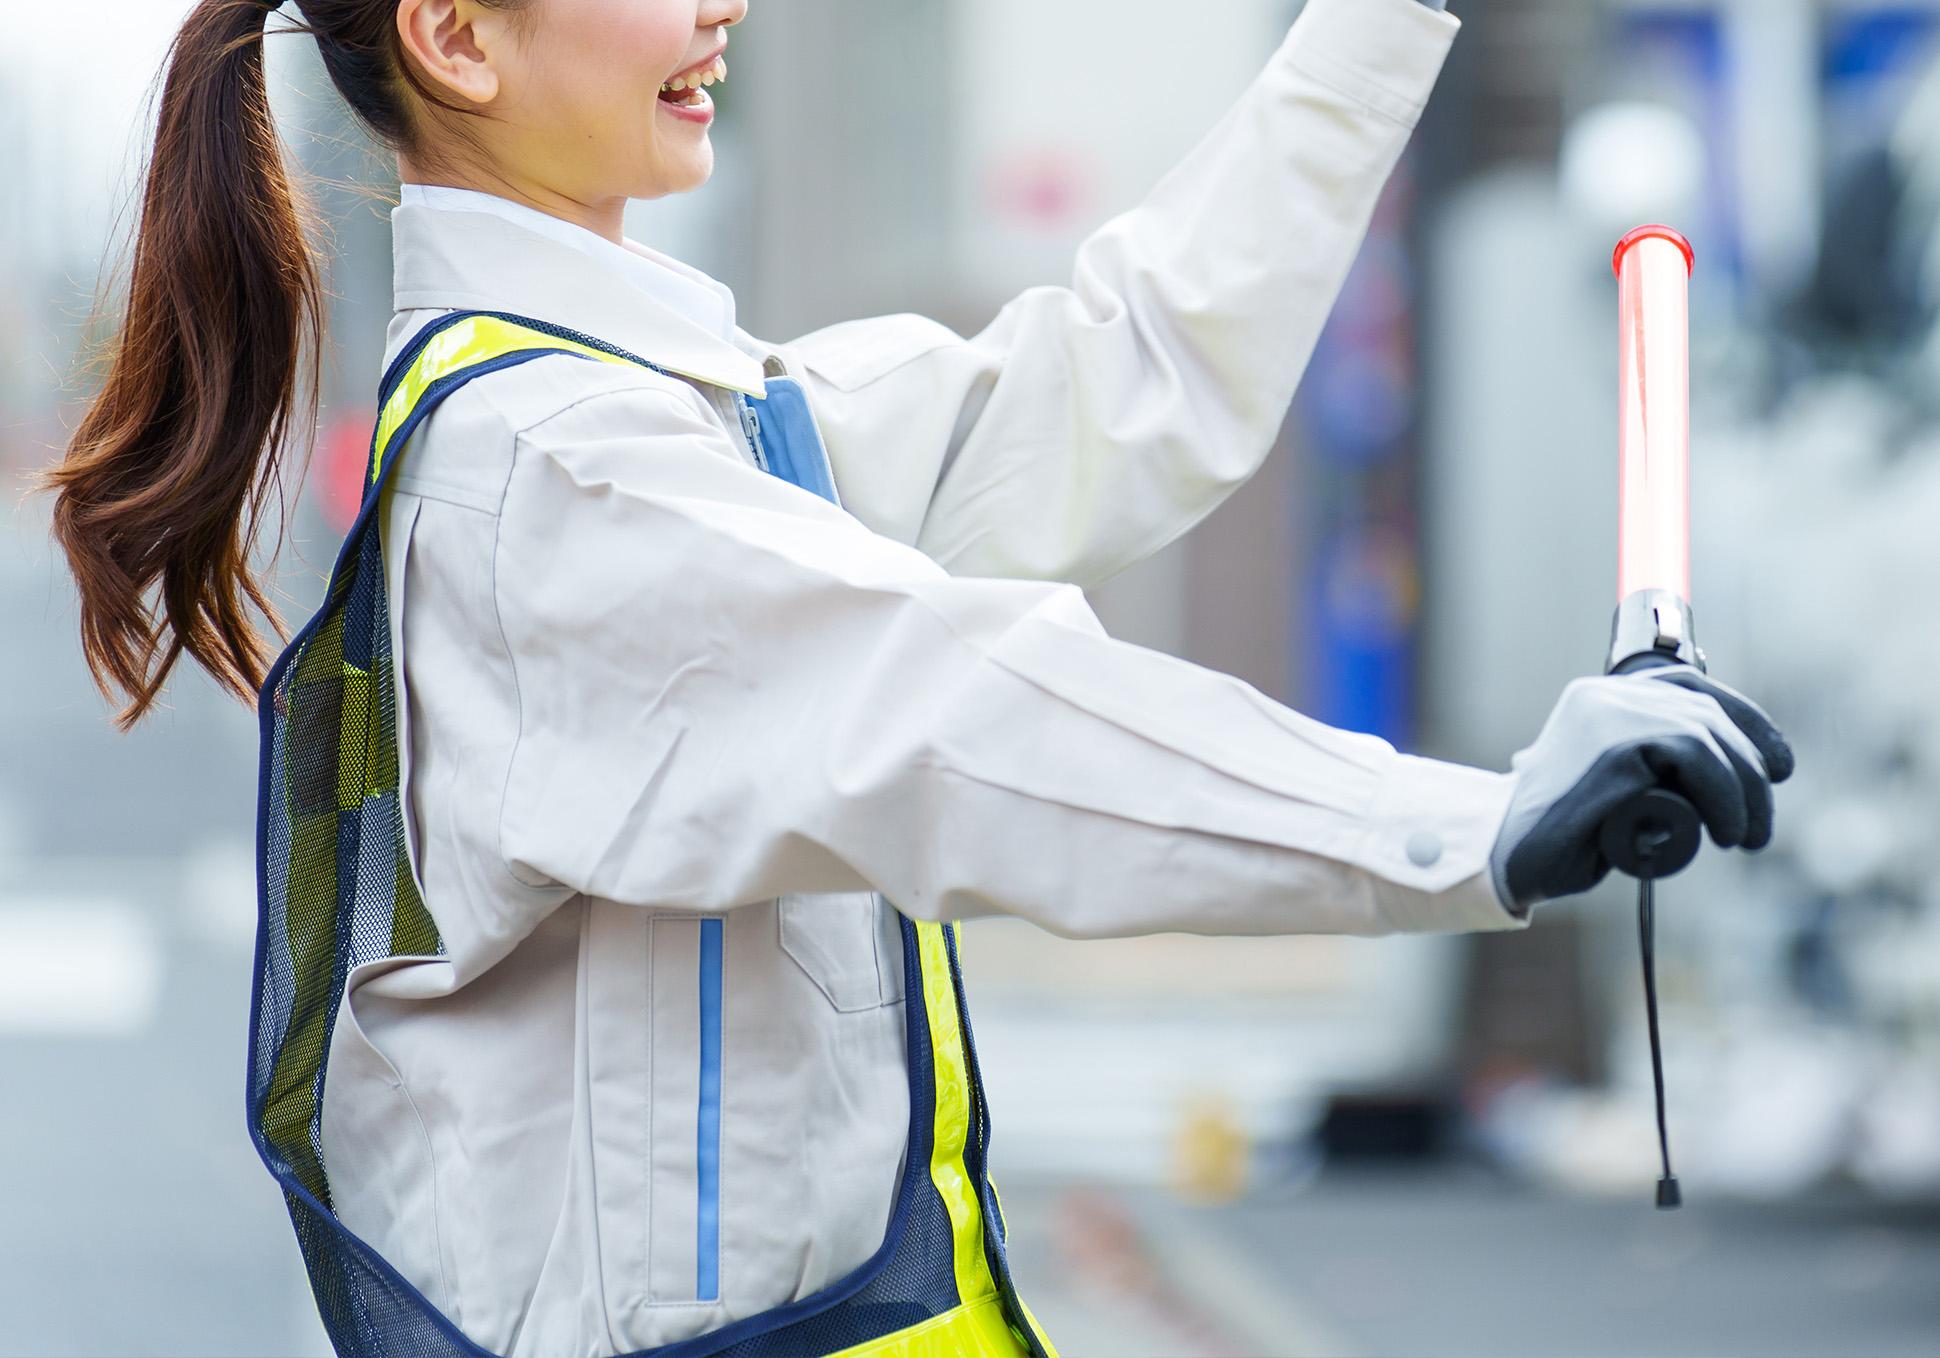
(605, 51)
(642, 40)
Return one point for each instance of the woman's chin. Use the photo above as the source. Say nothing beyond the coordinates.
(682, 172)
(690, 171)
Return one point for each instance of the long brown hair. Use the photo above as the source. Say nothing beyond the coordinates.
(212, 375)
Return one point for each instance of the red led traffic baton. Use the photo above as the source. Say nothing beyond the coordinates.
(1656, 833)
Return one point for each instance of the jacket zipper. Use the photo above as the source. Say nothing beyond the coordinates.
(751, 430)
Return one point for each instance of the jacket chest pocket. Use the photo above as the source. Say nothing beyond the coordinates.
(847, 942)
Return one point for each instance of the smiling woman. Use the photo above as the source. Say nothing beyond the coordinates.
(676, 693)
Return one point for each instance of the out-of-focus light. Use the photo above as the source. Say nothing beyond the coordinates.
(1632, 161)
(1043, 189)
(77, 967)
(343, 456)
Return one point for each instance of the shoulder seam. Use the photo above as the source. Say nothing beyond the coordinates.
(632, 389)
(518, 430)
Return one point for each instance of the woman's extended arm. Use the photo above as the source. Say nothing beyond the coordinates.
(730, 689)
(1088, 426)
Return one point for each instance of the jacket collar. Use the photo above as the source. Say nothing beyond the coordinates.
(446, 259)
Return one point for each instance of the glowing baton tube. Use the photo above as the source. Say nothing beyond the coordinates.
(1653, 266)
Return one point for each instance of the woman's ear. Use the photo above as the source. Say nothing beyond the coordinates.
(456, 43)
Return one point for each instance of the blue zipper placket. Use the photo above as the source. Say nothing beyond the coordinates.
(707, 1132)
(707, 1129)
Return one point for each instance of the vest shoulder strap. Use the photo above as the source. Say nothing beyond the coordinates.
(453, 350)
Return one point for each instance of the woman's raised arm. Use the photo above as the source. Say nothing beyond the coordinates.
(1088, 426)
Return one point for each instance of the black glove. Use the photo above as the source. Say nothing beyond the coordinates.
(1613, 736)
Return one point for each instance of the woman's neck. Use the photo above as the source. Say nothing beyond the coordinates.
(602, 219)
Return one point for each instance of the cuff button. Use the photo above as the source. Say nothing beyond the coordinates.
(1424, 848)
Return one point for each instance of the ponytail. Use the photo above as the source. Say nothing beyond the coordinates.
(213, 369)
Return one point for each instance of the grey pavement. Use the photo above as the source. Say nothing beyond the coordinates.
(1453, 1262)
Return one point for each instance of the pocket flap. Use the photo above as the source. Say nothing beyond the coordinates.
(831, 935)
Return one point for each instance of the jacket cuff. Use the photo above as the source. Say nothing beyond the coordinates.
(1384, 54)
(1430, 829)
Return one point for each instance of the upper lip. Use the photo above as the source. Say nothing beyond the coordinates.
(698, 66)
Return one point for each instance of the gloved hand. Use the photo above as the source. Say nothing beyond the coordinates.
(1613, 736)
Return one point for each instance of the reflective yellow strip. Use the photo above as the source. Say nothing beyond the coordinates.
(476, 339)
(951, 1130)
(977, 1330)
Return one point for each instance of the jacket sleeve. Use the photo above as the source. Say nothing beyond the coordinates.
(730, 689)
(1088, 426)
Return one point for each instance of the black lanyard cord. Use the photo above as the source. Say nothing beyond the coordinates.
(1667, 1191)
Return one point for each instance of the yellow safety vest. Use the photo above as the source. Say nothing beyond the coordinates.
(336, 889)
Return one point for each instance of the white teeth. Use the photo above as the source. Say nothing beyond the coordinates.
(718, 71)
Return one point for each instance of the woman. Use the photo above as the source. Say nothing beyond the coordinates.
(731, 670)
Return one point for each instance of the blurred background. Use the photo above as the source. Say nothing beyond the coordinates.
(1309, 1146)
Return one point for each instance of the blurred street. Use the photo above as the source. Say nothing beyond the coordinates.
(1454, 1263)
(1408, 1261)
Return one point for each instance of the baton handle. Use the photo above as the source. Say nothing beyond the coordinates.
(1657, 832)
